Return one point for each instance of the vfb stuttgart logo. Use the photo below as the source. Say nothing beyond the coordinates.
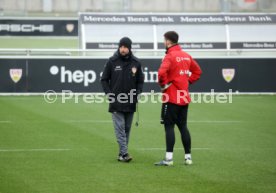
(228, 74)
(15, 75)
(70, 27)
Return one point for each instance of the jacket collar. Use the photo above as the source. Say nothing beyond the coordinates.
(175, 47)
(127, 57)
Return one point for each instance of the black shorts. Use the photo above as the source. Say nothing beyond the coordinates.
(174, 114)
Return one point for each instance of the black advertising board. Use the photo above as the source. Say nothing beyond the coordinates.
(83, 75)
(198, 45)
(38, 27)
(110, 45)
(13, 75)
(253, 45)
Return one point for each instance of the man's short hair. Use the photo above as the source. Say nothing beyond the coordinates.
(172, 36)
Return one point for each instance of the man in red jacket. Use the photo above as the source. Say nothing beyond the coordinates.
(177, 71)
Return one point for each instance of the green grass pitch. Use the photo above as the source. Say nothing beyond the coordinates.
(38, 43)
(71, 148)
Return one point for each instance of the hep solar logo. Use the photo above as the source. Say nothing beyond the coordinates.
(67, 76)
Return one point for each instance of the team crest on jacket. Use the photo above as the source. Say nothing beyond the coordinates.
(15, 75)
(228, 74)
(134, 70)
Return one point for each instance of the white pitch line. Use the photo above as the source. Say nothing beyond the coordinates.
(145, 121)
(148, 121)
(5, 121)
(200, 121)
(215, 121)
(163, 149)
(31, 150)
(88, 121)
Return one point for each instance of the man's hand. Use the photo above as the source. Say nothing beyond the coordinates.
(166, 86)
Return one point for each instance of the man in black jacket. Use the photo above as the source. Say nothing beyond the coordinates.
(122, 81)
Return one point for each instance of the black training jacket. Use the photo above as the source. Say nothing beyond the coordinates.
(121, 75)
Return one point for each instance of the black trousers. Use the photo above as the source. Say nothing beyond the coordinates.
(172, 115)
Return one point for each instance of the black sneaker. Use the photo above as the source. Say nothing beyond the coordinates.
(124, 158)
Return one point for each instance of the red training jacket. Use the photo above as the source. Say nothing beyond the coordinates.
(179, 69)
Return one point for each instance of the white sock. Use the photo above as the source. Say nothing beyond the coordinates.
(188, 156)
(169, 155)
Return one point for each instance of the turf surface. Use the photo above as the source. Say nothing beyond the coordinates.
(71, 148)
(38, 43)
